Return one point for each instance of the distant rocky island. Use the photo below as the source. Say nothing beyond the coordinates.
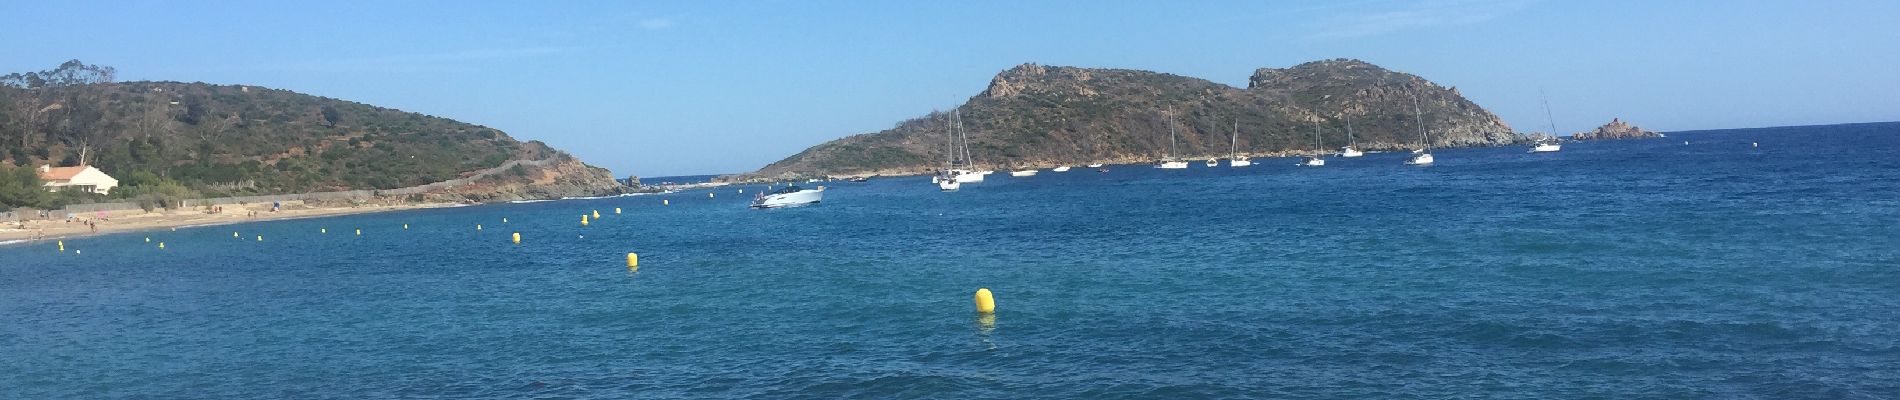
(1616, 129)
(1042, 116)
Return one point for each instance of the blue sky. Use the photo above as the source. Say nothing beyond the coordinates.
(670, 88)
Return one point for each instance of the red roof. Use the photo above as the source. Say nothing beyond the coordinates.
(61, 173)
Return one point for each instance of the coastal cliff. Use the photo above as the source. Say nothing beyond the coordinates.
(1039, 116)
(1616, 129)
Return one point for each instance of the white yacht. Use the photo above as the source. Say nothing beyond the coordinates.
(1026, 172)
(1422, 156)
(1170, 162)
(1095, 165)
(1550, 144)
(1060, 168)
(1314, 160)
(1351, 150)
(789, 196)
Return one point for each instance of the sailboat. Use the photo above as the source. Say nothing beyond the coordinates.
(962, 148)
(1549, 144)
(1314, 160)
(1234, 159)
(1170, 162)
(1351, 149)
(1422, 156)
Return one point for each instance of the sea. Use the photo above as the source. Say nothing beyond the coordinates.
(1729, 264)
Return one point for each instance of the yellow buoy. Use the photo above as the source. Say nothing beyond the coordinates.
(633, 260)
(323, 230)
(260, 238)
(596, 214)
(709, 195)
(517, 237)
(985, 303)
(616, 210)
(504, 220)
(359, 231)
(478, 227)
(148, 239)
(405, 226)
(664, 202)
(161, 245)
(62, 246)
(234, 234)
(583, 219)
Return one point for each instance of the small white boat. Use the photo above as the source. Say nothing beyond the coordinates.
(1063, 168)
(1213, 162)
(946, 182)
(985, 172)
(1419, 159)
(1349, 152)
(1314, 161)
(1028, 172)
(1422, 155)
(1095, 165)
(1234, 159)
(1239, 162)
(1169, 162)
(789, 196)
(1546, 147)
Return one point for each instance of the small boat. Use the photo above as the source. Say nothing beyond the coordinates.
(1063, 168)
(1169, 162)
(1213, 162)
(1546, 146)
(789, 196)
(946, 181)
(1423, 155)
(1095, 165)
(1351, 150)
(1027, 172)
(1550, 144)
(1102, 170)
(860, 179)
(1234, 159)
(1314, 160)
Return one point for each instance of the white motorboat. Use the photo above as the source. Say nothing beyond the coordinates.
(1027, 172)
(1239, 162)
(1096, 165)
(1213, 162)
(1349, 152)
(1172, 165)
(1063, 168)
(1313, 161)
(1419, 159)
(789, 196)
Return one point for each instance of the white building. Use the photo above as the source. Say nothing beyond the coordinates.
(83, 177)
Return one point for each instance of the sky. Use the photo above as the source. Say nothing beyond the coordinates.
(711, 87)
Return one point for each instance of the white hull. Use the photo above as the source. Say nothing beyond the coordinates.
(1350, 152)
(807, 196)
(1314, 162)
(1172, 165)
(1023, 173)
(948, 185)
(1239, 162)
(1064, 168)
(1546, 148)
(1420, 159)
(1095, 165)
(968, 177)
(1213, 163)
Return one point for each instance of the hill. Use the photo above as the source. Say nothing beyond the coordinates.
(1034, 115)
(247, 140)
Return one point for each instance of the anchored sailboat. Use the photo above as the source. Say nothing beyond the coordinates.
(1314, 160)
(1234, 159)
(1549, 144)
(1351, 150)
(1423, 155)
(1170, 162)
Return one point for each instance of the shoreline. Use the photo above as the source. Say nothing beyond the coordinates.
(31, 231)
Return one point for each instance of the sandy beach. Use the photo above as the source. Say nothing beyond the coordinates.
(137, 220)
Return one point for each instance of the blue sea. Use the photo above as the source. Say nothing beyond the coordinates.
(1616, 269)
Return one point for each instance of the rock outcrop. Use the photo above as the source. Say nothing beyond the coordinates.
(1616, 129)
(1038, 116)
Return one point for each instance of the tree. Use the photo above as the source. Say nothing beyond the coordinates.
(21, 187)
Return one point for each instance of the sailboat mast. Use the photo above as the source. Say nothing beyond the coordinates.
(1349, 141)
(1171, 146)
(1233, 148)
(1547, 117)
(1420, 116)
(1315, 133)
